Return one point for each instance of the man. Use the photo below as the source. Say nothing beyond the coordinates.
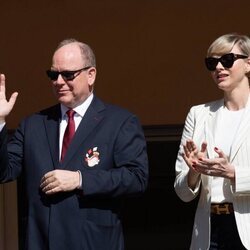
(72, 199)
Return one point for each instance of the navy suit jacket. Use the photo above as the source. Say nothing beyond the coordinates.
(108, 148)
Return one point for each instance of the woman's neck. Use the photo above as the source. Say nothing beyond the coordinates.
(236, 100)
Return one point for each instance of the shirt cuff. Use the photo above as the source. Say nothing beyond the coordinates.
(1, 126)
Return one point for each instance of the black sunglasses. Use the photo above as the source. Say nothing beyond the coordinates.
(67, 75)
(226, 60)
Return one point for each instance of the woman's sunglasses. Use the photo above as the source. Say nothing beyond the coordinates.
(226, 60)
(67, 75)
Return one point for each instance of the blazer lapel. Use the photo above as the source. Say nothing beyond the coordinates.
(51, 122)
(242, 132)
(89, 122)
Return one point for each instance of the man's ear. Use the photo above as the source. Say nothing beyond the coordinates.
(91, 75)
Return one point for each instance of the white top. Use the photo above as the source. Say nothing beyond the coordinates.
(227, 125)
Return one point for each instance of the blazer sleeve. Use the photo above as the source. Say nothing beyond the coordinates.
(129, 175)
(182, 189)
(242, 181)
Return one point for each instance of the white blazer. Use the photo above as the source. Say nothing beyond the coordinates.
(200, 126)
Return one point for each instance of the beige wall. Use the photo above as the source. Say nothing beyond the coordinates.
(149, 54)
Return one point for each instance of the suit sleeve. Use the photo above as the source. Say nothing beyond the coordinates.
(10, 155)
(129, 175)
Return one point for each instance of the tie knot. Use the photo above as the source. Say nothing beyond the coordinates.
(70, 113)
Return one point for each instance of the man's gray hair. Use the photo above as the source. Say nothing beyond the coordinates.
(87, 53)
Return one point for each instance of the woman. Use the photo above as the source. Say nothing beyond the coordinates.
(214, 156)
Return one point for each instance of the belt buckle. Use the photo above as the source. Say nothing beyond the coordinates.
(221, 208)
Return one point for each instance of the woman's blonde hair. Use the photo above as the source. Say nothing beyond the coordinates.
(224, 44)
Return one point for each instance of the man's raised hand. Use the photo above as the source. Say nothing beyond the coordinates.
(5, 106)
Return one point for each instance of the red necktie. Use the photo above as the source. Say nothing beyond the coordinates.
(69, 132)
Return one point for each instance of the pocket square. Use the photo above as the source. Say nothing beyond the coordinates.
(92, 157)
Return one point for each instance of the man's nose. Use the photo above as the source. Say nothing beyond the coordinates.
(60, 79)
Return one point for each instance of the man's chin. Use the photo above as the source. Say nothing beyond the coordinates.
(65, 101)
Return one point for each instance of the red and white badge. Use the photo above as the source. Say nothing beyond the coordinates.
(92, 157)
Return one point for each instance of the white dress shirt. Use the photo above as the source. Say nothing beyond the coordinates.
(79, 114)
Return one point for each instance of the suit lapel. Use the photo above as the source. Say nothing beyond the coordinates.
(51, 122)
(89, 122)
(242, 132)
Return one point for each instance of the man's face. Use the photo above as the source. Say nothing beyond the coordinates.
(72, 92)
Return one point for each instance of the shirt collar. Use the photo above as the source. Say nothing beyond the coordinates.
(80, 109)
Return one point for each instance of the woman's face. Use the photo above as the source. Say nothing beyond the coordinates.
(227, 79)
